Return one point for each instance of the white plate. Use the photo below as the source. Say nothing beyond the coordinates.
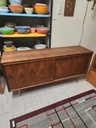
(4, 10)
(23, 48)
(4, 7)
(40, 46)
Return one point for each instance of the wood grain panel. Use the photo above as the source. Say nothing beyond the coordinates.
(16, 75)
(91, 78)
(71, 66)
(21, 75)
(40, 71)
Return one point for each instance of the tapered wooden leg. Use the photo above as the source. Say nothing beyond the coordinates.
(1, 89)
(19, 92)
(77, 79)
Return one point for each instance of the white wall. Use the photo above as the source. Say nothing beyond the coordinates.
(66, 31)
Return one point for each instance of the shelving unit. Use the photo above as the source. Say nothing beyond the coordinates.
(24, 19)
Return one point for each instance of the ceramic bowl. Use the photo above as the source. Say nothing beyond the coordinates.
(12, 48)
(4, 7)
(33, 29)
(28, 10)
(40, 46)
(3, 10)
(22, 29)
(42, 30)
(15, 2)
(8, 43)
(16, 8)
(6, 30)
(9, 50)
(41, 8)
(10, 24)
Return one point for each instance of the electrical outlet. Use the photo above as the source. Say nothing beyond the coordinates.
(59, 9)
(69, 7)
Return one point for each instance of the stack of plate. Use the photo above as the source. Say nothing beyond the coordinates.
(12, 48)
(40, 46)
(23, 48)
(4, 9)
(9, 46)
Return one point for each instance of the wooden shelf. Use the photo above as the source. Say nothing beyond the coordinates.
(24, 14)
(24, 35)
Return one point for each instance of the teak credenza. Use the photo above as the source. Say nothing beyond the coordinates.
(25, 69)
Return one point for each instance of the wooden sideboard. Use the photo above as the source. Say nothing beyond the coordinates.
(25, 69)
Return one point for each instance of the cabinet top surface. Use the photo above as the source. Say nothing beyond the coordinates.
(31, 55)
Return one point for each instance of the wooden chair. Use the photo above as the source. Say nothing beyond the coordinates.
(91, 77)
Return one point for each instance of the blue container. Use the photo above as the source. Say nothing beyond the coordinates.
(22, 29)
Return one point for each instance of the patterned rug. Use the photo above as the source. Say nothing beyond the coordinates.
(76, 112)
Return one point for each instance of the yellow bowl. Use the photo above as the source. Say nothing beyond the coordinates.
(41, 8)
(9, 48)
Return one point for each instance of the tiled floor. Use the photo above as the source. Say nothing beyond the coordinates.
(13, 105)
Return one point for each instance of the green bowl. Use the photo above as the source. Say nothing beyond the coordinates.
(6, 30)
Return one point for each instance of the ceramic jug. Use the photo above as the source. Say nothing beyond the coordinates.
(15, 2)
(3, 2)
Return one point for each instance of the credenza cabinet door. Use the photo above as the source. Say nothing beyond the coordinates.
(30, 73)
(69, 66)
